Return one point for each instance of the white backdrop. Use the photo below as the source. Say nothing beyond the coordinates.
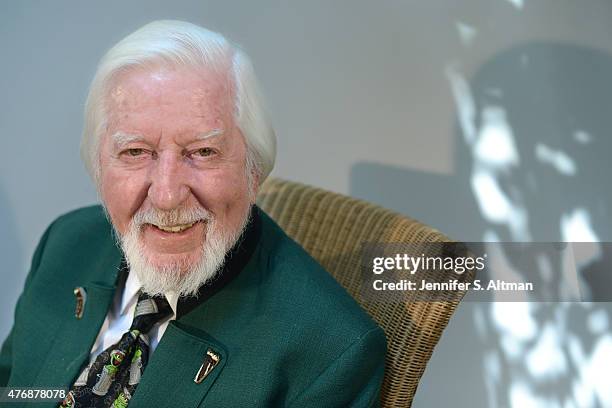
(360, 91)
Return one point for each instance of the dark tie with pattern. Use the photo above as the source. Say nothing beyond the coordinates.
(110, 381)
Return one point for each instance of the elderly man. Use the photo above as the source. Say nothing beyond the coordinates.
(186, 294)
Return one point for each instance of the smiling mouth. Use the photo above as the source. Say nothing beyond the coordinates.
(175, 228)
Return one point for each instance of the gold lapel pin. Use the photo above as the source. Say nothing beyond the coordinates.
(211, 359)
(81, 298)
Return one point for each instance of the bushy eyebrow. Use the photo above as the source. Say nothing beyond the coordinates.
(208, 135)
(122, 139)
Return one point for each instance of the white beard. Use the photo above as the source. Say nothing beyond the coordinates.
(180, 277)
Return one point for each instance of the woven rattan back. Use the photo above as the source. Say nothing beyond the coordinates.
(332, 228)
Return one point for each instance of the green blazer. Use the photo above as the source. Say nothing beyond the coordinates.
(288, 334)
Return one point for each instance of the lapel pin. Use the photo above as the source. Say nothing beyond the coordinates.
(81, 298)
(211, 359)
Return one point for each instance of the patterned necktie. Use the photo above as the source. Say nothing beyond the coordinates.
(110, 381)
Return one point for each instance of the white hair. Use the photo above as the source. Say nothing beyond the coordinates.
(181, 43)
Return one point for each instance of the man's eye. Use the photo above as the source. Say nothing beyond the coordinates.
(134, 152)
(204, 152)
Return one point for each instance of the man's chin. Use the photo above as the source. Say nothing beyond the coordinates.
(179, 264)
(182, 274)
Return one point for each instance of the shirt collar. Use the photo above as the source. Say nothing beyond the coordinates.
(130, 295)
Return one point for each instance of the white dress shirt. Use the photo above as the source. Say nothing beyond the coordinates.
(120, 315)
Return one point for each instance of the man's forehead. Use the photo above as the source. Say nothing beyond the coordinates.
(199, 84)
(117, 94)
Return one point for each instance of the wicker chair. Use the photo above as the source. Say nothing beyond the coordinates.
(332, 228)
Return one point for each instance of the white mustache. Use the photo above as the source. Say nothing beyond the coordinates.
(178, 216)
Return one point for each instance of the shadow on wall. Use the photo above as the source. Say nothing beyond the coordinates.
(532, 165)
(12, 264)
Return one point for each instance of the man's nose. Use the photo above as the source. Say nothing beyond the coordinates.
(168, 188)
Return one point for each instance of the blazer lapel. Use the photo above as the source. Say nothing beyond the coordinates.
(169, 377)
(74, 338)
